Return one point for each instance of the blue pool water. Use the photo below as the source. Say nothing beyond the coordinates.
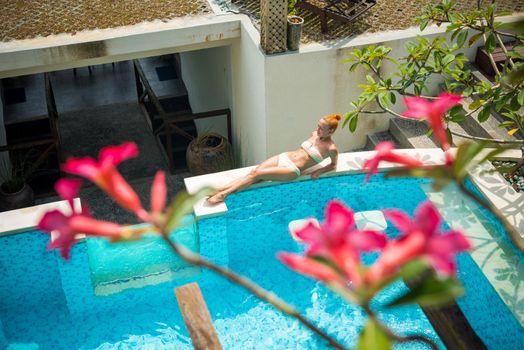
(47, 303)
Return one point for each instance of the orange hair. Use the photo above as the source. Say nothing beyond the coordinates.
(332, 120)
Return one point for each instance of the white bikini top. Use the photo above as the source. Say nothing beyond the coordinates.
(312, 151)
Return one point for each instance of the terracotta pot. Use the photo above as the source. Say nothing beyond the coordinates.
(209, 153)
(20, 199)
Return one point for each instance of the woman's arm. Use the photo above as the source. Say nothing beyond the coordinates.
(333, 154)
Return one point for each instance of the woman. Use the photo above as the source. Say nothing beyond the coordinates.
(289, 165)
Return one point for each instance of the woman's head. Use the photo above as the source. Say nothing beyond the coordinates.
(332, 120)
(328, 124)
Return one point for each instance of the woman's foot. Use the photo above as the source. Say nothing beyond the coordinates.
(216, 198)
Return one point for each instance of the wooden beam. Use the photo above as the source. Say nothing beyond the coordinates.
(197, 318)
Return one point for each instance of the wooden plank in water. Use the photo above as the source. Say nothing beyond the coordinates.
(197, 318)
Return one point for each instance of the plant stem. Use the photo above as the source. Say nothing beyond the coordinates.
(258, 291)
(396, 337)
(515, 237)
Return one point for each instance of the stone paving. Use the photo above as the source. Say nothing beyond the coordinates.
(23, 19)
(385, 15)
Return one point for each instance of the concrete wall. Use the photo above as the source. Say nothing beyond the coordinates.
(207, 76)
(249, 97)
(301, 87)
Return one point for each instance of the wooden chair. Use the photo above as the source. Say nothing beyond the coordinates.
(171, 118)
(33, 126)
(340, 10)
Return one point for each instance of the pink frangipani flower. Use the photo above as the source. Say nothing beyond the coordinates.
(420, 237)
(158, 193)
(336, 241)
(433, 112)
(384, 153)
(104, 174)
(65, 228)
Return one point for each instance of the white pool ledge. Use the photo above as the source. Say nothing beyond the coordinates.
(492, 185)
(20, 220)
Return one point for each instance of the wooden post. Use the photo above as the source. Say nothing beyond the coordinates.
(273, 25)
(197, 318)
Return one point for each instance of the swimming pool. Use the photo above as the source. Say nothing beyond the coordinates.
(47, 303)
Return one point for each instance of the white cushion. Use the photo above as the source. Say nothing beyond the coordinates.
(299, 224)
(370, 220)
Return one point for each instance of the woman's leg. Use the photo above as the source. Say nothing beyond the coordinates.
(267, 171)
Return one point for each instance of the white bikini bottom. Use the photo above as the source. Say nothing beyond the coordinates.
(285, 162)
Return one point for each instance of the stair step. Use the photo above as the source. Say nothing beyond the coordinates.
(376, 138)
(457, 127)
(488, 128)
(410, 134)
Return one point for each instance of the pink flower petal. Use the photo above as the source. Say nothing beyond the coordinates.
(449, 243)
(417, 107)
(309, 267)
(86, 167)
(367, 240)
(158, 192)
(123, 193)
(395, 254)
(402, 159)
(399, 219)
(445, 101)
(428, 218)
(114, 155)
(310, 233)
(93, 227)
(385, 146)
(339, 218)
(55, 221)
(68, 189)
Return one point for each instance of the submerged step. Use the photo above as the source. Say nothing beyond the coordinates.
(115, 267)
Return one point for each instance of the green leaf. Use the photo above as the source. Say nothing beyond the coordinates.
(392, 97)
(490, 43)
(520, 97)
(474, 38)
(353, 123)
(414, 268)
(461, 37)
(430, 292)
(373, 338)
(424, 24)
(183, 205)
(514, 104)
(466, 152)
(484, 114)
(448, 59)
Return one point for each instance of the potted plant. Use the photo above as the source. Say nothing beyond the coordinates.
(15, 193)
(294, 27)
(209, 153)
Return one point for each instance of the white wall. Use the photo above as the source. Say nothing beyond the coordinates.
(206, 74)
(301, 87)
(249, 97)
